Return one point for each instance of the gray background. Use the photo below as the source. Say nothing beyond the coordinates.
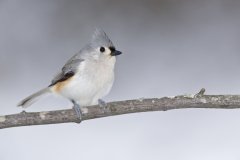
(170, 47)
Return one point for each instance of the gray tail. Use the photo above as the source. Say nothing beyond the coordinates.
(33, 98)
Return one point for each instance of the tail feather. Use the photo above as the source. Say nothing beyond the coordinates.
(33, 98)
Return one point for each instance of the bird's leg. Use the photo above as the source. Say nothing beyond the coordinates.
(77, 109)
(102, 103)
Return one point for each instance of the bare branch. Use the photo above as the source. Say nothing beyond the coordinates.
(122, 107)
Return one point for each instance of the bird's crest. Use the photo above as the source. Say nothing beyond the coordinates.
(100, 38)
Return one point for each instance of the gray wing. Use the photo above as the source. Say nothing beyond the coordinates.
(68, 70)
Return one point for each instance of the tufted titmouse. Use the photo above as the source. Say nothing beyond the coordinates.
(85, 78)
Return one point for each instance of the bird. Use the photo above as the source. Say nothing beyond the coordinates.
(86, 77)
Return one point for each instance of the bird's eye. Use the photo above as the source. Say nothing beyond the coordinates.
(102, 49)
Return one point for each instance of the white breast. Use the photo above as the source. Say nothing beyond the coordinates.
(93, 81)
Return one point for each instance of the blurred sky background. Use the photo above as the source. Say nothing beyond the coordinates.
(170, 47)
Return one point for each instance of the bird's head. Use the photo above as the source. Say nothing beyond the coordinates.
(103, 46)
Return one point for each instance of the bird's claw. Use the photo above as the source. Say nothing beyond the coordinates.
(102, 103)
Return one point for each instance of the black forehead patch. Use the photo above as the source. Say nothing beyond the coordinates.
(112, 49)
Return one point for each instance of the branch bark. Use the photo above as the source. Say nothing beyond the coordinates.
(198, 100)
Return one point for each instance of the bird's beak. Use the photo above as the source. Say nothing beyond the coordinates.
(115, 53)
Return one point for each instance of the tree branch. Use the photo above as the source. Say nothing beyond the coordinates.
(198, 100)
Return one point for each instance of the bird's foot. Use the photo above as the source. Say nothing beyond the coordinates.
(78, 111)
(102, 103)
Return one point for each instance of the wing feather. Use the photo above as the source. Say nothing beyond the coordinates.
(68, 70)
